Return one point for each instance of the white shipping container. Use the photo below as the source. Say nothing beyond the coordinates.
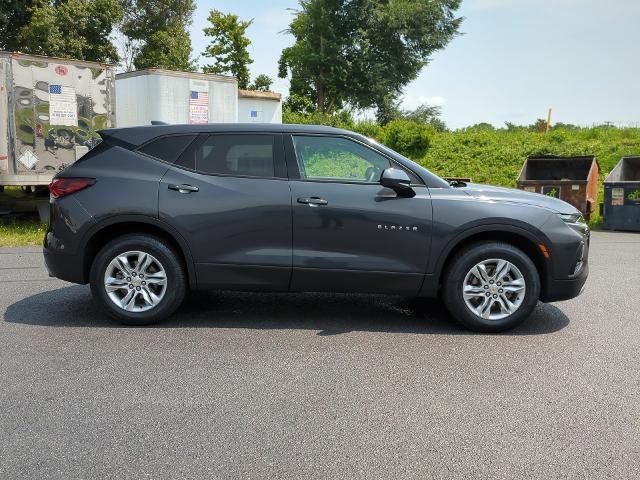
(173, 97)
(259, 107)
(50, 112)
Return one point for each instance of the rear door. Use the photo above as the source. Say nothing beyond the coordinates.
(229, 197)
(349, 232)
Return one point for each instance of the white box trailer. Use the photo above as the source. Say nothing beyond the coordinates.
(259, 107)
(50, 112)
(168, 96)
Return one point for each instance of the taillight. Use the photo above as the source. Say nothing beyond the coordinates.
(61, 187)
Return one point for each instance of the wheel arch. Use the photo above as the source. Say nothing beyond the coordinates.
(105, 231)
(520, 238)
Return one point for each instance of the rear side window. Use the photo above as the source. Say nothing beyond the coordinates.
(168, 148)
(241, 155)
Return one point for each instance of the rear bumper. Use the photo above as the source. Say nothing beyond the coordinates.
(63, 266)
(557, 290)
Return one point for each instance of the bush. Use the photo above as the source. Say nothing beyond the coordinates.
(369, 130)
(409, 138)
(341, 119)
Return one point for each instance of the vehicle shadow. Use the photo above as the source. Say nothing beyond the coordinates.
(330, 314)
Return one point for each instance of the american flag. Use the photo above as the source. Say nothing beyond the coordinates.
(199, 98)
(62, 93)
(198, 107)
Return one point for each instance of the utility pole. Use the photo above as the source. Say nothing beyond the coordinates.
(548, 120)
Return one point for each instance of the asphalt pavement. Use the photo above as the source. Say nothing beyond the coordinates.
(243, 385)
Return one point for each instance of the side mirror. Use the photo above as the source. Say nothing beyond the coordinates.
(398, 181)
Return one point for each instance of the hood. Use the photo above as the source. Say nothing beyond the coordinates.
(512, 195)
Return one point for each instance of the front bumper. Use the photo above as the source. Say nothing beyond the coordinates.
(566, 289)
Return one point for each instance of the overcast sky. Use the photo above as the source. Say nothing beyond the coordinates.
(515, 59)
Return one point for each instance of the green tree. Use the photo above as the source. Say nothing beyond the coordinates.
(261, 83)
(482, 126)
(298, 104)
(160, 28)
(78, 29)
(14, 14)
(228, 47)
(427, 115)
(317, 67)
(389, 109)
(169, 49)
(539, 126)
(363, 52)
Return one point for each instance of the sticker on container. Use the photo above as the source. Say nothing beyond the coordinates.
(633, 196)
(198, 102)
(63, 107)
(575, 187)
(551, 191)
(530, 189)
(28, 159)
(617, 197)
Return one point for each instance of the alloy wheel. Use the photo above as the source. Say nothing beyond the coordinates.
(135, 281)
(494, 289)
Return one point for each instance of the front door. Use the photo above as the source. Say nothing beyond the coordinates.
(229, 197)
(349, 232)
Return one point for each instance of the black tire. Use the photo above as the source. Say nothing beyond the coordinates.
(176, 282)
(464, 261)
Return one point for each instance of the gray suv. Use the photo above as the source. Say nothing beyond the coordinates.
(155, 211)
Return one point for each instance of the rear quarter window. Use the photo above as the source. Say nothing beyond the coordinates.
(167, 148)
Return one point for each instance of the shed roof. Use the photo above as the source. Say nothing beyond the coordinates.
(259, 94)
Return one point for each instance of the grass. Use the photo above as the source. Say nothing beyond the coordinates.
(21, 234)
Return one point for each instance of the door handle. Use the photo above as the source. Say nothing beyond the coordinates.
(184, 188)
(312, 201)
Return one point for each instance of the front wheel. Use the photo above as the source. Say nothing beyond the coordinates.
(491, 287)
(138, 279)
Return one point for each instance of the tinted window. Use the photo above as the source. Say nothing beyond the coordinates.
(250, 155)
(168, 148)
(335, 158)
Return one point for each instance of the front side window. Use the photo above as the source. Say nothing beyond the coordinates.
(337, 159)
(241, 155)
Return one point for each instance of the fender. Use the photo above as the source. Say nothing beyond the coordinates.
(436, 263)
(155, 222)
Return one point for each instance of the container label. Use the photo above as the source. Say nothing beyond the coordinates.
(28, 159)
(63, 107)
(198, 101)
(617, 197)
(633, 196)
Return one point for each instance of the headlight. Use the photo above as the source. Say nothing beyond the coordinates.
(572, 218)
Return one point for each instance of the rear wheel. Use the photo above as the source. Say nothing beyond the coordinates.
(491, 287)
(138, 279)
